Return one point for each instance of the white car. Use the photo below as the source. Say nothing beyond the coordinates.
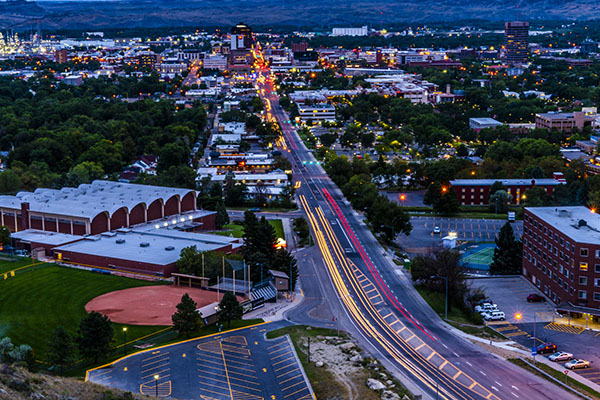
(437, 230)
(485, 307)
(494, 316)
(560, 356)
(575, 364)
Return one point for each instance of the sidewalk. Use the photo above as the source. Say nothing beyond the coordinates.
(274, 311)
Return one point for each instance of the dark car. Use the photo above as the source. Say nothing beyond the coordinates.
(535, 298)
(546, 348)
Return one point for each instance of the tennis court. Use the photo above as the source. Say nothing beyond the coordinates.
(483, 256)
(478, 257)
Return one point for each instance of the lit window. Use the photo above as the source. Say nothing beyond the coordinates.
(583, 266)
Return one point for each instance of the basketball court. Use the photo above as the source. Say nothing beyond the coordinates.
(149, 305)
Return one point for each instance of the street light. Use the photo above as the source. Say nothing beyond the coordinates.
(156, 383)
(125, 339)
(446, 303)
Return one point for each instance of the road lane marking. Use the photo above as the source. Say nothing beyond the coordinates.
(482, 373)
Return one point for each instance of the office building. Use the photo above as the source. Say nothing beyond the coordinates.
(564, 122)
(478, 124)
(241, 37)
(516, 40)
(61, 56)
(561, 255)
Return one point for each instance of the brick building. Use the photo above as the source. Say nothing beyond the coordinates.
(561, 254)
(477, 191)
(98, 207)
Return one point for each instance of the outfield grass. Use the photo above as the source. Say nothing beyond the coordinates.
(34, 304)
(8, 265)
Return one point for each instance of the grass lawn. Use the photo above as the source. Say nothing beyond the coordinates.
(437, 302)
(238, 230)
(34, 304)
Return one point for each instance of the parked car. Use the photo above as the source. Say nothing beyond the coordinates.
(576, 364)
(560, 356)
(535, 298)
(437, 230)
(254, 209)
(486, 307)
(494, 316)
(546, 348)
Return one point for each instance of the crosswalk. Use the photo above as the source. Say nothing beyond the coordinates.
(507, 329)
(575, 330)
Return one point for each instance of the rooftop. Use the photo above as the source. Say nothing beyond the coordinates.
(45, 237)
(568, 221)
(89, 200)
(161, 247)
(505, 182)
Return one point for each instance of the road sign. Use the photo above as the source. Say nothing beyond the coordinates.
(534, 351)
(566, 371)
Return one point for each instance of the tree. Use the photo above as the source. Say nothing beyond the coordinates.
(186, 319)
(9, 182)
(442, 199)
(229, 309)
(462, 150)
(507, 254)
(95, 336)
(190, 261)
(4, 235)
(61, 349)
(426, 270)
(222, 217)
(499, 201)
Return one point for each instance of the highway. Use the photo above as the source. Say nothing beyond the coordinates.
(349, 272)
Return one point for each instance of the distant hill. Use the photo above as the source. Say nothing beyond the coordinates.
(158, 13)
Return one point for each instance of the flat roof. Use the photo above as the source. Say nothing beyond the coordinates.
(505, 182)
(155, 253)
(485, 121)
(44, 237)
(566, 220)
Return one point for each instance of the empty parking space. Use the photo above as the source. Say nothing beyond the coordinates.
(240, 365)
(593, 374)
(288, 370)
(510, 294)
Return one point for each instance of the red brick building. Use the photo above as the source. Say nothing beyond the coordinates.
(561, 254)
(477, 191)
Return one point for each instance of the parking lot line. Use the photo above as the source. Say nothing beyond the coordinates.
(283, 354)
(159, 373)
(284, 360)
(291, 394)
(275, 345)
(291, 386)
(295, 369)
(289, 379)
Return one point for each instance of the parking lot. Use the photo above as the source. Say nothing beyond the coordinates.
(539, 323)
(467, 230)
(240, 364)
(510, 294)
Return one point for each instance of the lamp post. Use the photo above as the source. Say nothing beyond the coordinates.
(156, 383)
(125, 339)
(446, 302)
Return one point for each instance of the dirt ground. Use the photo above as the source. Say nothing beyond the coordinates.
(148, 305)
